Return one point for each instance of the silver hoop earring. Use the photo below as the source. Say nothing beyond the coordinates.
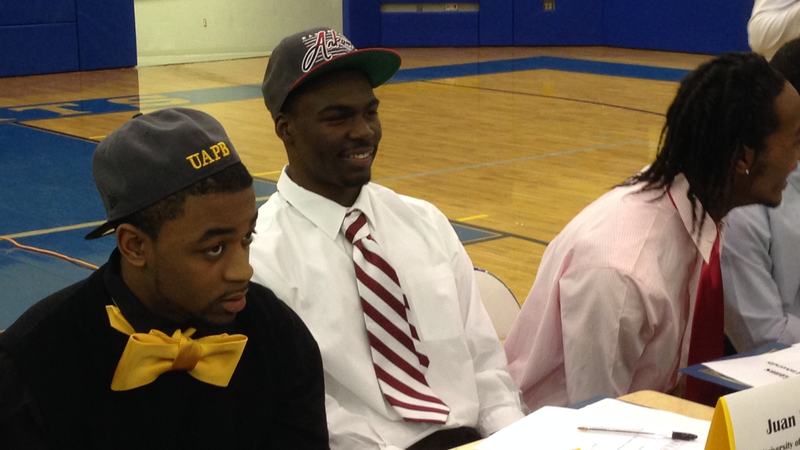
(747, 172)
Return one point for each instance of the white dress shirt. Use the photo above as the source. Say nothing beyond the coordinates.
(772, 24)
(761, 273)
(610, 310)
(300, 253)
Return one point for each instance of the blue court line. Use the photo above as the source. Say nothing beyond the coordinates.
(218, 95)
(131, 103)
(252, 91)
(469, 235)
(541, 62)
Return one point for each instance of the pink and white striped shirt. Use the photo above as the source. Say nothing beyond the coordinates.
(610, 310)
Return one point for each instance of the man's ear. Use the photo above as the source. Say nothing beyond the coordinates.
(283, 128)
(745, 160)
(133, 244)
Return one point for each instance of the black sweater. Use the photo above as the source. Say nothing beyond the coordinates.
(58, 359)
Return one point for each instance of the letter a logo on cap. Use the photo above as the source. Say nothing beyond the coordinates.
(324, 46)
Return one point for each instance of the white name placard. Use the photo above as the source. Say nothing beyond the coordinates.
(762, 418)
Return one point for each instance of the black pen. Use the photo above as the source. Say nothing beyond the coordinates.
(677, 435)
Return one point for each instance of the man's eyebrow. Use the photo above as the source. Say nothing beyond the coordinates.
(335, 108)
(347, 108)
(211, 233)
(214, 232)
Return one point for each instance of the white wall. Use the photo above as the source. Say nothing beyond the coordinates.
(172, 31)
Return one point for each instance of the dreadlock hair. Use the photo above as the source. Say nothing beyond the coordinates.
(150, 220)
(787, 62)
(721, 107)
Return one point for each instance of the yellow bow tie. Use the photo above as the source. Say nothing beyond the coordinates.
(211, 359)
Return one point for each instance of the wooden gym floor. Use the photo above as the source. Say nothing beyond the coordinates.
(510, 143)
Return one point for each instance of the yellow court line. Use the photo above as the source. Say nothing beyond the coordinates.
(78, 226)
(55, 230)
(467, 219)
(97, 138)
(267, 173)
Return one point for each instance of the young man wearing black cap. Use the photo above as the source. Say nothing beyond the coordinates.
(410, 356)
(168, 344)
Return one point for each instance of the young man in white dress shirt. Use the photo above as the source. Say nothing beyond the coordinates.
(612, 306)
(410, 356)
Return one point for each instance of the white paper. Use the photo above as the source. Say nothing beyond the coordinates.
(548, 428)
(761, 370)
(552, 428)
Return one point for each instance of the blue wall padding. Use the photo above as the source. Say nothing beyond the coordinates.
(429, 29)
(574, 22)
(694, 26)
(33, 12)
(362, 22)
(496, 22)
(707, 26)
(38, 49)
(106, 34)
(50, 36)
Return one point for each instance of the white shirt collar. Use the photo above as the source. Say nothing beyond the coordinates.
(326, 214)
(704, 239)
(794, 178)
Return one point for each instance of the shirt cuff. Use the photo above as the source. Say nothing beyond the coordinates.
(791, 334)
(499, 419)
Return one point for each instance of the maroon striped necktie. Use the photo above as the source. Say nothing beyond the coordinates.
(399, 366)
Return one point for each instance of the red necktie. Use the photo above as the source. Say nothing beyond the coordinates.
(707, 341)
(399, 366)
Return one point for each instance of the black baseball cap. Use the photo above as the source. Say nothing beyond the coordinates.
(306, 55)
(154, 156)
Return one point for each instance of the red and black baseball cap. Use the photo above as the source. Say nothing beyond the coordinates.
(306, 55)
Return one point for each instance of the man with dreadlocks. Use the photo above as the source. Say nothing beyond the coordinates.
(612, 309)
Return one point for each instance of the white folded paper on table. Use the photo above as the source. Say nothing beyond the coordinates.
(553, 428)
(761, 369)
